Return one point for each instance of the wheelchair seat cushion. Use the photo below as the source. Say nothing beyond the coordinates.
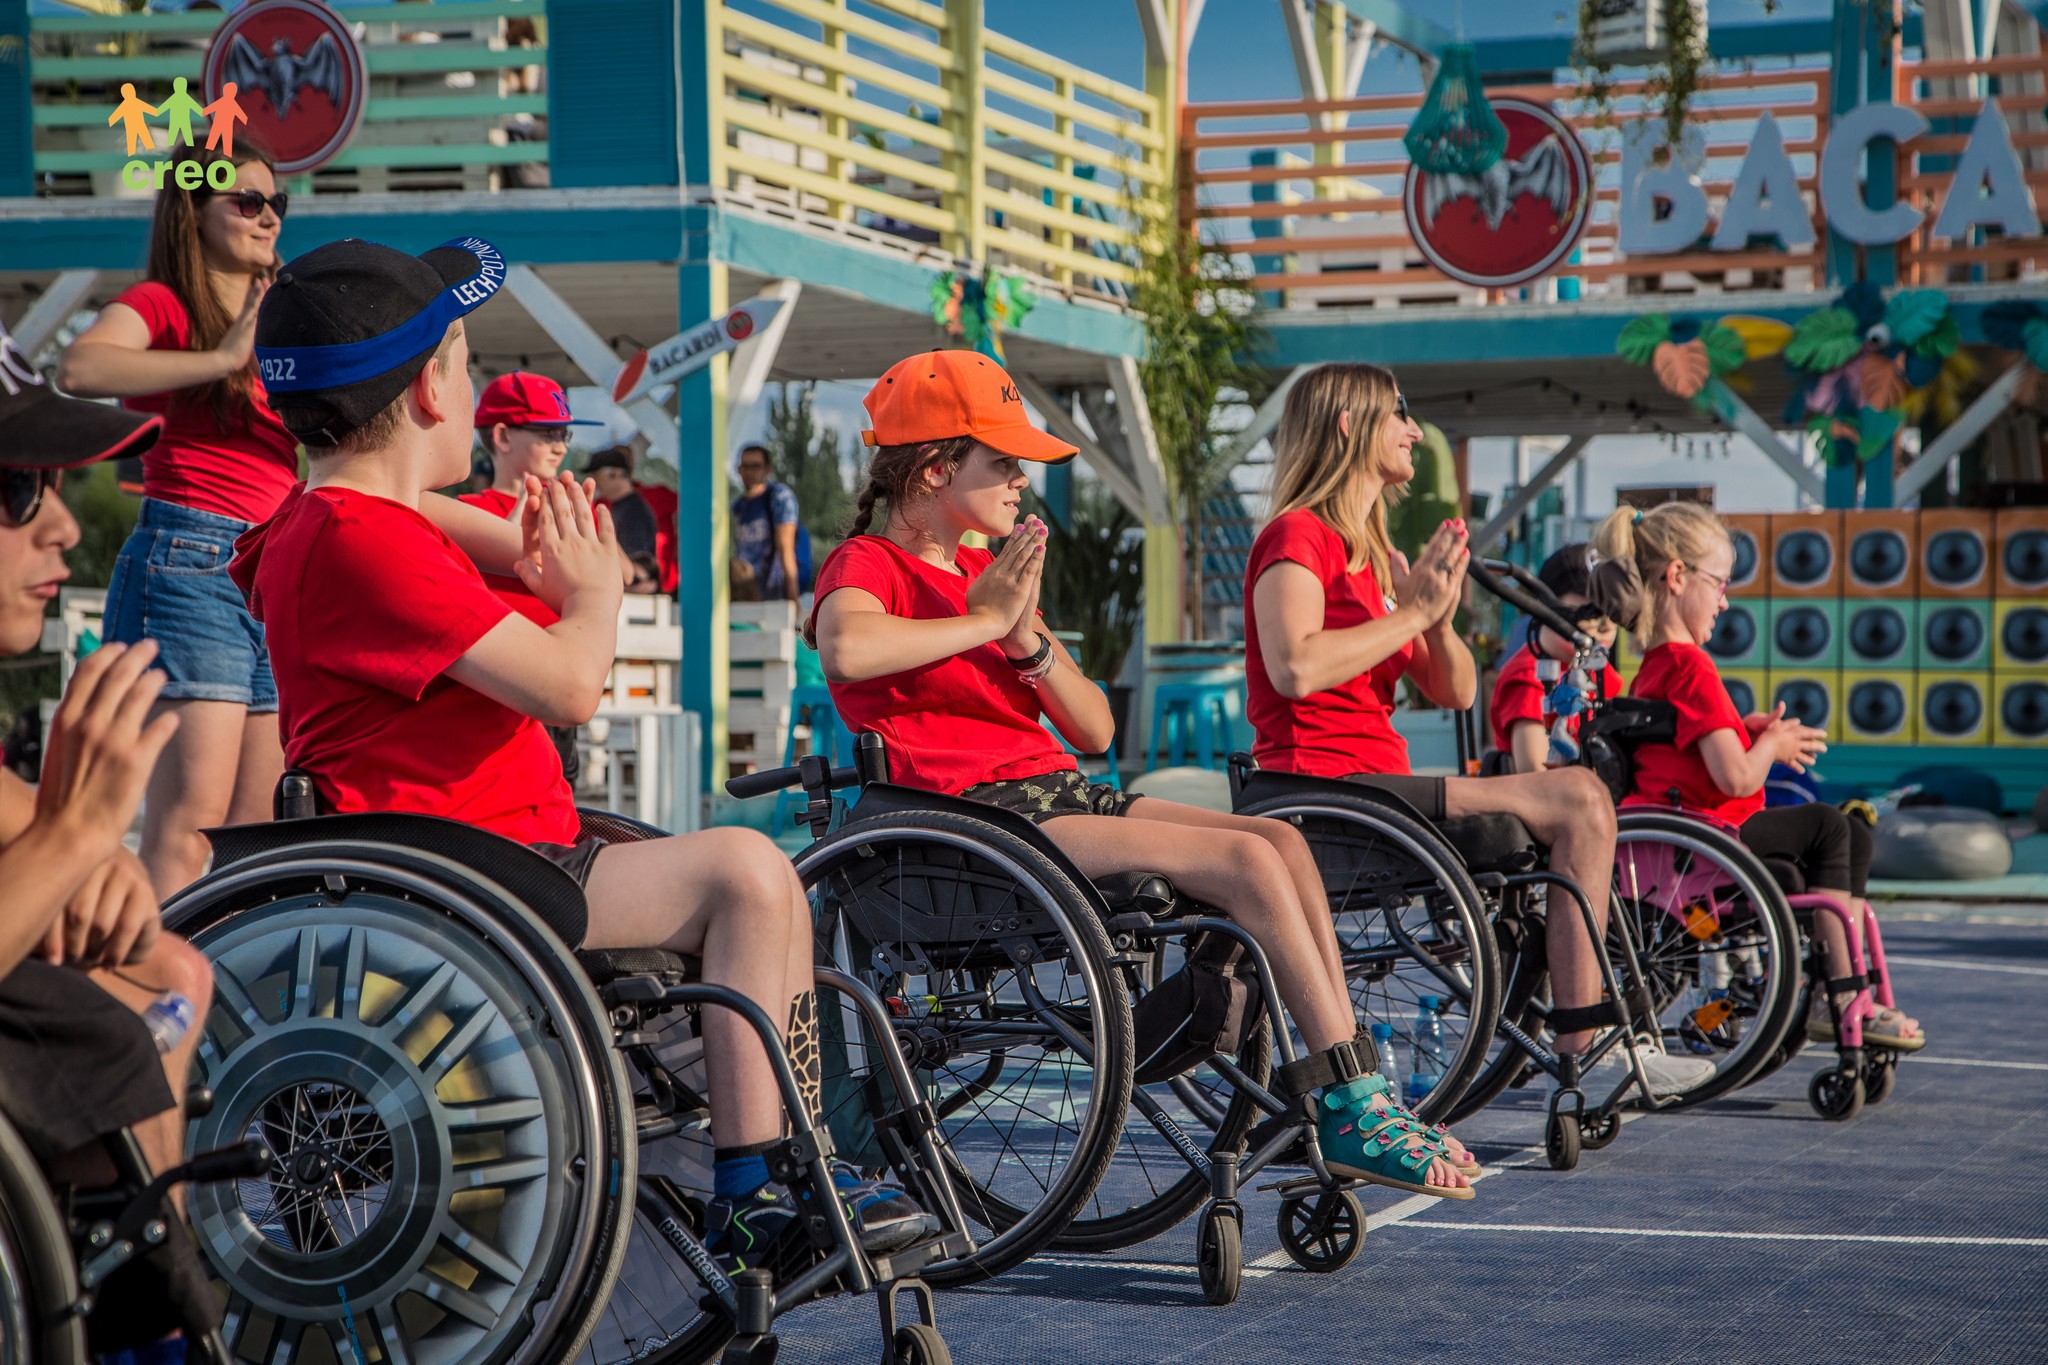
(1490, 842)
(1787, 875)
(75, 1063)
(1146, 891)
(603, 965)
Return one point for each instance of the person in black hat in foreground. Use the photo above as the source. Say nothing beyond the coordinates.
(83, 959)
(405, 684)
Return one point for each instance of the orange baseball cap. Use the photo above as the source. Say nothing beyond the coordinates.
(938, 395)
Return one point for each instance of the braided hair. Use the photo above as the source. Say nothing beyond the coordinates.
(893, 475)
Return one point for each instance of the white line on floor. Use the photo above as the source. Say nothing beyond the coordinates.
(1738, 1236)
(1924, 1060)
(1965, 966)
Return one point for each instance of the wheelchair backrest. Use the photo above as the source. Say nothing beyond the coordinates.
(545, 889)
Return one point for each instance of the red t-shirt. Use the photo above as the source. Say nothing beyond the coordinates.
(242, 472)
(365, 603)
(948, 725)
(509, 589)
(1350, 727)
(663, 503)
(1685, 676)
(1518, 696)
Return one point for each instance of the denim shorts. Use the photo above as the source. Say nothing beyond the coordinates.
(171, 585)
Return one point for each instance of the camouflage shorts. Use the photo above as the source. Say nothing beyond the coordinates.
(1051, 795)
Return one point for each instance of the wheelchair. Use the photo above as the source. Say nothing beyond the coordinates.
(491, 1149)
(59, 1256)
(1014, 981)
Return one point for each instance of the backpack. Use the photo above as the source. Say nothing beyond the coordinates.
(1608, 739)
(1201, 1010)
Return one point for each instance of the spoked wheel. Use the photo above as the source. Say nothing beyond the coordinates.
(437, 1081)
(997, 968)
(1150, 1187)
(1410, 923)
(1836, 1096)
(921, 1344)
(1323, 1232)
(38, 1277)
(1596, 1133)
(1219, 1254)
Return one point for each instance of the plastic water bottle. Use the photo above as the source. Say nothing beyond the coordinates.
(1383, 1048)
(1428, 1051)
(1709, 1007)
(168, 1019)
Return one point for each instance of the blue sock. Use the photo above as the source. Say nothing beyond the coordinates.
(736, 1177)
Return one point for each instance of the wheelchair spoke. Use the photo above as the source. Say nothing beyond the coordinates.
(457, 1300)
(306, 975)
(455, 1046)
(349, 991)
(391, 1334)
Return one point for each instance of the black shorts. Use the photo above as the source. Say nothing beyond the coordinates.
(575, 859)
(1426, 794)
(1827, 847)
(75, 1063)
(1051, 795)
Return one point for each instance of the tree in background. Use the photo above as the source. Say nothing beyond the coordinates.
(809, 458)
(1200, 333)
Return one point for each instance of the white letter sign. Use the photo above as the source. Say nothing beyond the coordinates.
(1765, 200)
(1990, 188)
(1841, 173)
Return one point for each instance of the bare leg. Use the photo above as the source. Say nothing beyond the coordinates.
(192, 788)
(173, 965)
(1570, 812)
(256, 774)
(730, 898)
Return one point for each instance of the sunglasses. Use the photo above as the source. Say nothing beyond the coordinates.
(250, 202)
(1401, 407)
(545, 435)
(21, 494)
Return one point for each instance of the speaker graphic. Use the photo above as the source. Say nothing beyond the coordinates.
(2020, 629)
(1955, 553)
(1806, 554)
(1955, 633)
(1877, 708)
(1806, 634)
(1876, 632)
(1745, 689)
(2022, 540)
(1751, 532)
(1882, 559)
(1741, 637)
(1810, 697)
(2022, 714)
(1954, 709)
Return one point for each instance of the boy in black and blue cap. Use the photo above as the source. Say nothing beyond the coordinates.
(406, 684)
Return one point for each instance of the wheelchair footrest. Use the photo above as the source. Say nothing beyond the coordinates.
(1308, 1184)
(912, 1260)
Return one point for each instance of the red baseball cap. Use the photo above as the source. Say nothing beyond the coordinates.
(520, 399)
(939, 395)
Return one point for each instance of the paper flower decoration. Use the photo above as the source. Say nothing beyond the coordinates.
(1684, 354)
(979, 309)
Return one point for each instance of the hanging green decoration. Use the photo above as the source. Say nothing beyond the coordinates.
(1456, 131)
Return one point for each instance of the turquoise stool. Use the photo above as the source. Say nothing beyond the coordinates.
(1177, 710)
(1112, 777)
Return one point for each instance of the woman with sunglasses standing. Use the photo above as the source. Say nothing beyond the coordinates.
(1335, 617)
(181, 343)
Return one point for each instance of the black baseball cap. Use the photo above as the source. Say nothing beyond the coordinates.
(615, 457)
(347, 326)
(42, 429)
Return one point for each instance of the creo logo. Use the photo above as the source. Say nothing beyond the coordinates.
(178, 110)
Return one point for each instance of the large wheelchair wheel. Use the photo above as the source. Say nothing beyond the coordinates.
(456, 1164)
(1410, 923)
(1008, 1008)
(38, 1276)
(1700, 908)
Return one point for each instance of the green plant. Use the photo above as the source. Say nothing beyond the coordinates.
(1095, 577)
(808, 457)
(1200, 333)
(1674, 79)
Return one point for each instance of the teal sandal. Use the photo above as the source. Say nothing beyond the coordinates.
(1376, 1084)
(1382, 1148)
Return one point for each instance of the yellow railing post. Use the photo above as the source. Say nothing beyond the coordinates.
(967, 163)
(838, 130)
(1063, 164)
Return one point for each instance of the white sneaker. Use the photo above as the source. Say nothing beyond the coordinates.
(1667, 1075)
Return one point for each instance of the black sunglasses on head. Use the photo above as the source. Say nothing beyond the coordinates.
(21, 493)
(250, 202)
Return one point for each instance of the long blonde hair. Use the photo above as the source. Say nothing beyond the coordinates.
(1640, 545)
(1316, 466)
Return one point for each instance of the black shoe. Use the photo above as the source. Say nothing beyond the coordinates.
(760, 1232)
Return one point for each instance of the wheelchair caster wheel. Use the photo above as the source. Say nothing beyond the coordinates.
(1836, 1096)
(1597, 1133)
(920, 1344)
(1219, 1254)
(1879, 1078)
(1561, 1142)
(1323, 1232)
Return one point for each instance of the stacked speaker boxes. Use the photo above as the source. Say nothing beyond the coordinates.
(2019, 624)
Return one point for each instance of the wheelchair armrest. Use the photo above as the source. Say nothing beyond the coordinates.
(1146, 892)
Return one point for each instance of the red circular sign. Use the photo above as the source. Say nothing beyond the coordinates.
(298, 75)
(740, 326)
(1516, 220)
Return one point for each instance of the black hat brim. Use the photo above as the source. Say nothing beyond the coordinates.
(51, 431)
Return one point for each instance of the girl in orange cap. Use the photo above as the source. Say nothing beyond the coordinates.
(940, 649)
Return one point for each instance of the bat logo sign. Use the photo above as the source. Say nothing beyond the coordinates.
(297, 73)
(1518, 219)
